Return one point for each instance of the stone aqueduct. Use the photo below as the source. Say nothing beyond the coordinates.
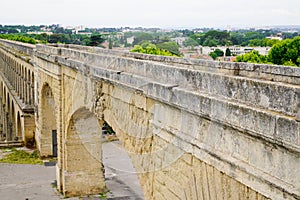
(194, 129)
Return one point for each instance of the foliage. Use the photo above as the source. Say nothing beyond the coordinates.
(169, 46)
(213, 55)
(262, 42)
(286, 52)
(219, 52)
(142, 37)
(22, 157)
(18, 37)
(214, 38)
(190, 42)
(105, 194)
(227, 52)
(240, 37)
(289, 63)
(216, 53)
(95, 40)
(149, 48)
(252, 57)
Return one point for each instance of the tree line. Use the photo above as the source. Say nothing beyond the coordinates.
(215, 38)
(285, 52)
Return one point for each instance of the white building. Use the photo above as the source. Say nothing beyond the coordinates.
(236, 50)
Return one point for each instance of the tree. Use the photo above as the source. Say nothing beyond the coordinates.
(252, 57)
(286, 51)
(149, 48)
(110, 44)
(214, 38)
(142, 37)
(216, 53)
(190, 42)
(169, 46)
(18, 37)
(219, 52)
(213, 55)
(227, 52)
(95, 40)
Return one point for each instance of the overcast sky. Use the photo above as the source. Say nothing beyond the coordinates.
(151, 13)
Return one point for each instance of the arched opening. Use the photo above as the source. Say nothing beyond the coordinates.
(120, 175)
(7, 120)
(1, 89)
(4, 96)
(83, 168)
(32, 88)
(22, 84)
(19, 127)
(2, 112)
(12, 123)
(25, 87)
(7, 104)
(48, 135)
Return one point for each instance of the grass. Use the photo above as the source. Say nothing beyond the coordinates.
(104, 194)
(21, 157)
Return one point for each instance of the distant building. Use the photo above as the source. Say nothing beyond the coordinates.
(278, 36)
(130, 40)
(179, 40)
(236, 50)
(40, 32)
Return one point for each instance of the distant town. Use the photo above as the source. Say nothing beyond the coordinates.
(203, 43)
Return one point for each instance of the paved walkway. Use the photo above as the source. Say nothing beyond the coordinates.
(27, 182)
(35, 182)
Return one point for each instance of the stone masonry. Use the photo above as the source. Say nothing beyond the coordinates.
(194, 129)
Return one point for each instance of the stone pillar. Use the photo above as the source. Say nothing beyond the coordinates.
(83, 169)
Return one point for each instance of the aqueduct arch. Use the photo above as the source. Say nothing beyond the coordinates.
(19, 126)
(48, 127)
(82, 166)
(13, 120)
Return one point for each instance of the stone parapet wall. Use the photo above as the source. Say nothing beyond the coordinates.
(261, 71)
(269, 89)
(25, 48)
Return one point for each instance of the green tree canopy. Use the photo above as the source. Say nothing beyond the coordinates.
(169, 46)
(149, 48)
(142, 37)
(286, 51)
(216, 53)
(252, 57)
(214, 38)
(95, 40)
(227, 52)
(18, 37)
(190, 42)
